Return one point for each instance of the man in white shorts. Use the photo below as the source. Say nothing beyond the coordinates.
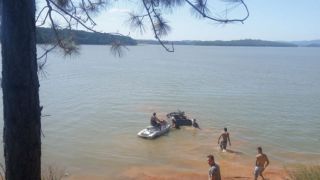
(262, 162)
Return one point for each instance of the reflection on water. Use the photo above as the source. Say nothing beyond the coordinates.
(97, 104)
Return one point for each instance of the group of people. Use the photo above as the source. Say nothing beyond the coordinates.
(262, 160)
(156, 122)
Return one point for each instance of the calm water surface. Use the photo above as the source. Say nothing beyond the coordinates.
(95, 104)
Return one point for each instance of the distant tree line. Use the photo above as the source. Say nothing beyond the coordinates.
(313, 45)
(246, 42)
(46, 35)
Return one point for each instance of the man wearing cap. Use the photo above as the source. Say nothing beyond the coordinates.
(214, 170)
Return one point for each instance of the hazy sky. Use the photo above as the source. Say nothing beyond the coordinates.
(269, 20)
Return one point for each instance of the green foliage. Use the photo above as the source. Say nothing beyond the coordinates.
(304, 172)
(47, 36)
(154, 11)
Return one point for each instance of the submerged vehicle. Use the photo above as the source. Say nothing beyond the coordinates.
(180, 119)
(152, 132)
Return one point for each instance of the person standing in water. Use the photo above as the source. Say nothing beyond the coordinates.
(214, 170)
(225, 138)
(262, 162)
(195, 124)
(174, 123)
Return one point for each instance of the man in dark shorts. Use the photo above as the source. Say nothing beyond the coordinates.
(214, 170)
(154, 121)
(225, 138)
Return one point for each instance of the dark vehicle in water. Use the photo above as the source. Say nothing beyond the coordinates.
(179, 119)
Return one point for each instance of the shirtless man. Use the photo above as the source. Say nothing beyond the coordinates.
(262, 162)
(225, 138)
(154, 121)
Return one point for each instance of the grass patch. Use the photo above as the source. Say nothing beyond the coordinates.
(52, 173)
(2, 172)
(304, 172)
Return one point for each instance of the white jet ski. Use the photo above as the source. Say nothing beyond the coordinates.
(152, 132)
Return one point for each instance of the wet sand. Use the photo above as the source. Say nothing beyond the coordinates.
(230, 170)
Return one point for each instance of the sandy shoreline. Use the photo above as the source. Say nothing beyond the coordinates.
(229, 171)
(188, 161)
(191, 165)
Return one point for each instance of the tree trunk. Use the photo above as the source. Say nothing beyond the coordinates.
(20, 86)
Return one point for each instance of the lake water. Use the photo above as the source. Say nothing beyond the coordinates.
(96, 103)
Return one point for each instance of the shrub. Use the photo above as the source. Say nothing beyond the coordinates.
(304, 172)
